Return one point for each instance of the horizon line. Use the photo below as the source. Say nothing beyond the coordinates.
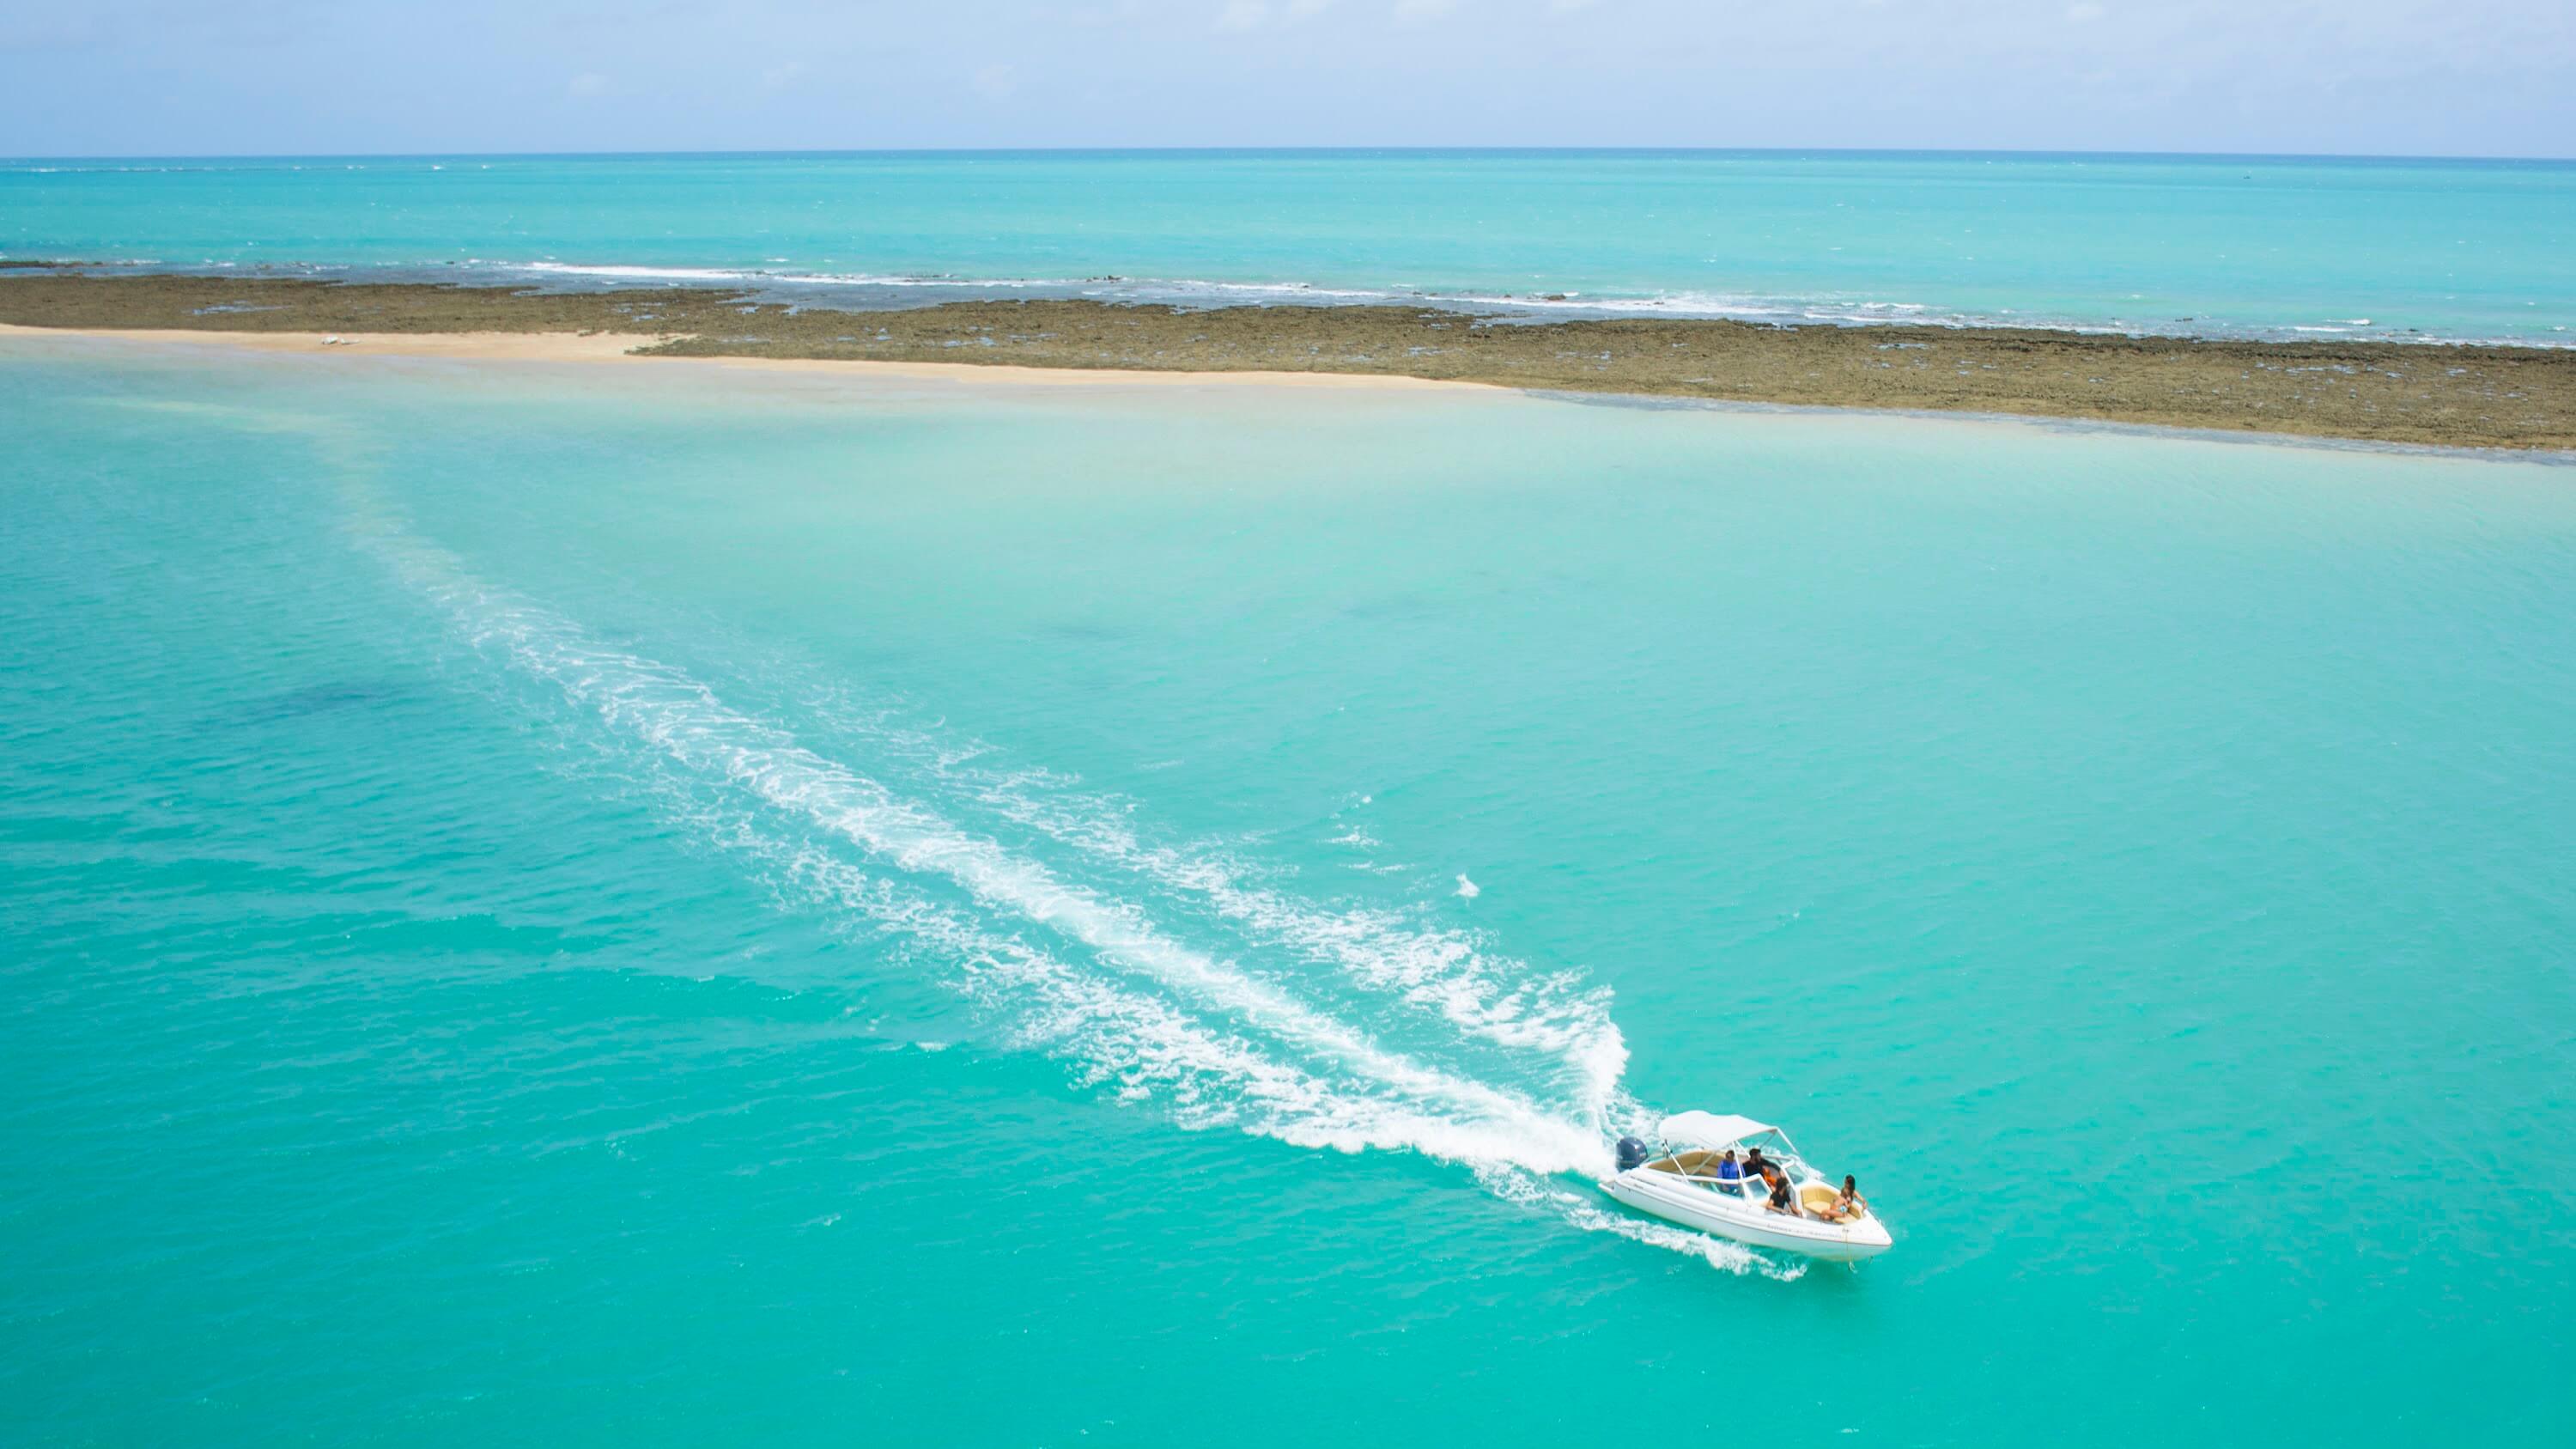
(1346, 150)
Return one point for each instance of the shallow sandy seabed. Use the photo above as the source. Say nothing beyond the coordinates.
(573, 347)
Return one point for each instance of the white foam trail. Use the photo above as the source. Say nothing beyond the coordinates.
(1146, 1049)
(1558, 1016)
(688, 723)
(1496, 1000)
(1150, 1052)
(1143, 1046)
(1140, 1047)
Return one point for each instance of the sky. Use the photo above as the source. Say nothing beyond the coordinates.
(2379, 77)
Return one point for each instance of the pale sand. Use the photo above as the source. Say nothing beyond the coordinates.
(2479, 397)
(608, 347)
(575, 348)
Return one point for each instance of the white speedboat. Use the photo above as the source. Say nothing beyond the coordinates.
(1677, 1179)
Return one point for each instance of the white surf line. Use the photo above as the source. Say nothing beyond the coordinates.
(686, 720)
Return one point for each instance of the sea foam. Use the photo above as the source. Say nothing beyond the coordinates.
(1087, 976)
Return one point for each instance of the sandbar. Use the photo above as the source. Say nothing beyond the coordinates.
(2427, 394)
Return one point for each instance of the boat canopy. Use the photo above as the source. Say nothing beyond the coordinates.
(1710, 1131)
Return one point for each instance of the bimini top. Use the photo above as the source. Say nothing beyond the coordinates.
(1709, 1131)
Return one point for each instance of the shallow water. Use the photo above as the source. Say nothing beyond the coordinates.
(2208, 245)
(576, 904)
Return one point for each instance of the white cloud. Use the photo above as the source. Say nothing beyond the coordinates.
(2085, 12)
(780, 77)
(1568, 7)
(1422, 12)
(587, 84)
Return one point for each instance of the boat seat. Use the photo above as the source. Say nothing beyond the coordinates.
(1694, 1162)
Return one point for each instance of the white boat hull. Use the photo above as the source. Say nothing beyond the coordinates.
(1745, 1219)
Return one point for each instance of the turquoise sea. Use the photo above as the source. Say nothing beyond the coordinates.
(695, 903)
(2261, 246)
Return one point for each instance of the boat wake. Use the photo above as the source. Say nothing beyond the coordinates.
(1178, 979)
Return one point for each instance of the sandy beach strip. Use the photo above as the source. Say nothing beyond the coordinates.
(2427, 394)
(569, 347)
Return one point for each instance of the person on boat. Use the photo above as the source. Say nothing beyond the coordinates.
(1782, 1199)
(1730, 1175)
(1754, 1165)
(1843, 1207)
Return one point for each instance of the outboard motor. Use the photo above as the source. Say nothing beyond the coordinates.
(1632, 1154)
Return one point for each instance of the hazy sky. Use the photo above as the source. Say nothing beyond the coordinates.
(2477, 77)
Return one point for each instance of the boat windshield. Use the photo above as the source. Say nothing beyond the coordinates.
(1696, 1163)
(1705, 1164)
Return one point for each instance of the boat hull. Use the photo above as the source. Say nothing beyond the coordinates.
(1745, 1219)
